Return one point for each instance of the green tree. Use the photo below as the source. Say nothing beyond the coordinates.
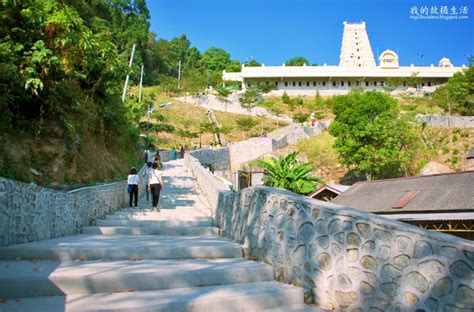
(457, 95)
(265, 87)
(297, 61)
(413, 81)
(285, 98)
(277, 111)
(371, 137)
(215, 59)
(245, 124)
(163, 127)
(253, 63)
(301, 118)
(192, 60)
(319, 102)
(57, 55)
(299, 102)
(187, 134)
(233, 66)
(250, 98)
(285, 172)
(208, 127)
(223, 92)
(292, 104)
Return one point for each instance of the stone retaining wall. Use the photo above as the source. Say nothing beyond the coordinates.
(218, 158)
(225, 160)
(446, 121)
(246, 151)
(294, 133)
(346, 259)
(30, 213)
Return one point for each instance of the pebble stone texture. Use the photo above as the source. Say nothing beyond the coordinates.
(348, 260)
(30, 213)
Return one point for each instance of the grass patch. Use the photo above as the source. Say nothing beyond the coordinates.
(188, 117)
(307, 105)
(320, 152)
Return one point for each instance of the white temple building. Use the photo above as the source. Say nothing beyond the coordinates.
(357, 68)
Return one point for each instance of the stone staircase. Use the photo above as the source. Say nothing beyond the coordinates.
(138, 260)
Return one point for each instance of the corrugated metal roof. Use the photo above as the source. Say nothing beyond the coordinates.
(442, 192)
(431, 216)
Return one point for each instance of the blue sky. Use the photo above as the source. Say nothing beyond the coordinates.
(272, 31)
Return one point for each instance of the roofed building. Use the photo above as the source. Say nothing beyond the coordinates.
(442, 202)
(329, 191)
(357, 68)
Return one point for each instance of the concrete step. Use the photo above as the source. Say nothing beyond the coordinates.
(179, 202)
(229, 298)
(158, 223)
(165, 216)
(148, 209)
(141, 230)
(173, 192)
(20, 279)
(297, 308)
(124, 247)
(168, 211)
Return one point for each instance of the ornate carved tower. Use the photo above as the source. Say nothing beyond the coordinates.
(355, 48)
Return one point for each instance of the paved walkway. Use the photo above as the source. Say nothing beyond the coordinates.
(139, 260)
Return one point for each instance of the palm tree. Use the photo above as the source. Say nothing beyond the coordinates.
(285, 172)
(187, 134)
(277, 112)
(209, 127)
(222, 94)
(245, 124)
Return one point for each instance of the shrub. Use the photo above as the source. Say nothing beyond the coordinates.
(301, 118)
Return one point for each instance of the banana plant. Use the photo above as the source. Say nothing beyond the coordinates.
(287, 173)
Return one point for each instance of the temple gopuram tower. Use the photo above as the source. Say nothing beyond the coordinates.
(355, 48)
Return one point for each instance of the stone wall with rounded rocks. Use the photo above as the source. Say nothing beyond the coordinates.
(348, 260)
(30, 213)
